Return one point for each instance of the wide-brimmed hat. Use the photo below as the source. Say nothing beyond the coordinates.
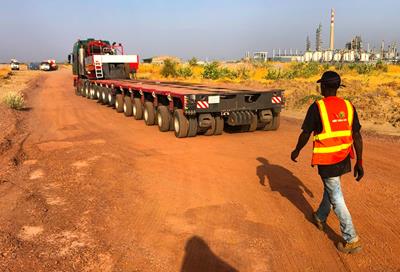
(331, 77)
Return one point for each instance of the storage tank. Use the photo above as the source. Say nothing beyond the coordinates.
(364, 57)
(317, 56)
(328, 56)
(308, 56)
(349, 56)
(337, 57)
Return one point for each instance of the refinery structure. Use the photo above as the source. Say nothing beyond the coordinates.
(354, 51)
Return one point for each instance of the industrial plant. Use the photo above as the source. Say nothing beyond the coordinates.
(354, 51)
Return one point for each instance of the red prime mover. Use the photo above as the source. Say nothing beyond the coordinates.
(102, 72)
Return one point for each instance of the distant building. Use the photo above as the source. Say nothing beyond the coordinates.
(161, 59)
(260, 56)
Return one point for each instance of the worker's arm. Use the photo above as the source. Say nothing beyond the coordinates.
(303, 139)
(358, 146)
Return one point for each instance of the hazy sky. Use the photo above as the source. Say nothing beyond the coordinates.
(32, 30)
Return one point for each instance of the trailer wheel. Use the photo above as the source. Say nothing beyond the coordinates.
(274, 124)
(149, 113)
(127, 106)
(163, 118)
(137, 109)
(104, 96)
(111, 99)
(192, 131)
(211, 130)
(92, 92)
(87, 90)
(181, 124)
(119, 103)
(253, 125)
(219, 125)
(82, 89)
(98, 94)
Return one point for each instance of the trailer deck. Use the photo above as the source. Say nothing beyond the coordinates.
(181, 88)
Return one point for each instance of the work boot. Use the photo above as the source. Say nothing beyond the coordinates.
(350, 248)
(318, 222)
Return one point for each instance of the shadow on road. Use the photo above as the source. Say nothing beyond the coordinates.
(289, 186)
(199, 258)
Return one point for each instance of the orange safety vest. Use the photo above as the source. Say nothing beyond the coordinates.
(335, 142)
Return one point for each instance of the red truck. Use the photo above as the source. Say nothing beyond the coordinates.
(102, 72)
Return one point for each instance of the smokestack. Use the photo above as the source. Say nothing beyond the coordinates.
(332, 40)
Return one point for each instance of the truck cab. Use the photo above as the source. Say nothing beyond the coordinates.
(99, 59)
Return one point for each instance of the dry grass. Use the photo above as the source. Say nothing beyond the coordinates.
(4, 71)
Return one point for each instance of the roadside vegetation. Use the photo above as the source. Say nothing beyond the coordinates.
(14, 100)
(373, 88)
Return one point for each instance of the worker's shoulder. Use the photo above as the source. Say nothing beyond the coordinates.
(314, 105)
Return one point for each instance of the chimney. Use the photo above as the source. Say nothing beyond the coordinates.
(332, 39)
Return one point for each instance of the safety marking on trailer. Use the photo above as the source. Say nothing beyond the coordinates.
(202, 105)
(276, 100)
(213, 99)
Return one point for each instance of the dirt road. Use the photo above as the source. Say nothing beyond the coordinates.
(96, 191)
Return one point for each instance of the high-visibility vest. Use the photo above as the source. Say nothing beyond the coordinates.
(335, 142)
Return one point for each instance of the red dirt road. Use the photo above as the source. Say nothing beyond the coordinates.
(97, 191)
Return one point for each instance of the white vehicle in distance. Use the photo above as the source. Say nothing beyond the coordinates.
(45, 66)
(14, 64)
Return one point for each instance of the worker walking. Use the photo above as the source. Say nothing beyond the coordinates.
(336, 129)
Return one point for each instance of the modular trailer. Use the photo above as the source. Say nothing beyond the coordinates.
(185, 108)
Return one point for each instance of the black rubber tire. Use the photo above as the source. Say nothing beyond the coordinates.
(219, 125)
(119, 103)
(211, 130)
(274, 124)
(104, 95)
(181, 124)
(87, 90)
(98, 94)
(92, 94)
(252, 127)
(82, 90)
(149, 113)
(137, 109)
(111, 99)
(193, 124)
(163, 118)
(127, 106)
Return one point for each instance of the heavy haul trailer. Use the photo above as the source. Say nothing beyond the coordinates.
(187, 109)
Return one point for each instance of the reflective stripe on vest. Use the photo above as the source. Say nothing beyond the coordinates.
(331, 149)
(327, 126)
(330, 146)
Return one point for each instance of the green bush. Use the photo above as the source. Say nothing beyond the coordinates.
(193, 61)
(184, 72)
(306, 70)
(169, 69)
(381, 66)
(274, 74)
(211, 71)
(363, 69)
(14, 100)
